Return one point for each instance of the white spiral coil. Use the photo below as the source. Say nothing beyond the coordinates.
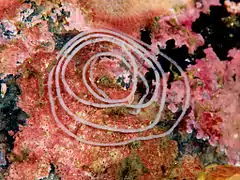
(129, 46)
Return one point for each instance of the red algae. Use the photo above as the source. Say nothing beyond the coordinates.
(209, 127)
(232, 7)
(8, 8)
(216, 118)
(230, 127)
(172, 28)
(10, 55)
(38, 38)
(177, 26)
(32, 40)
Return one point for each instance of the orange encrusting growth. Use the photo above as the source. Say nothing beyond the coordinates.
(129, 15)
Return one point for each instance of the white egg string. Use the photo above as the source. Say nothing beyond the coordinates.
(128, 45)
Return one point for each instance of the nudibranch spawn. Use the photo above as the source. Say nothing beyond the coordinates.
(133, 54)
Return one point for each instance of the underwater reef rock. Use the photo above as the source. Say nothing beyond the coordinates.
(47, 144)
(129, 16)
(188, 167)
(33, 32)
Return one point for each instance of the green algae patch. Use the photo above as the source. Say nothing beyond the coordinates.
(149, 112)
(51, 66)
(135, 145)
(108, 82)
(23, 156)
(117, 111)
(131, 168)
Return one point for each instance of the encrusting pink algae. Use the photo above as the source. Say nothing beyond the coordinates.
(32, 35)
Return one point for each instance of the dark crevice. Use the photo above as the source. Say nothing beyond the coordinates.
(52, 174)
(146, 36)
(180, 55)
(220, 30)
(62, 39)
(11, 116)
